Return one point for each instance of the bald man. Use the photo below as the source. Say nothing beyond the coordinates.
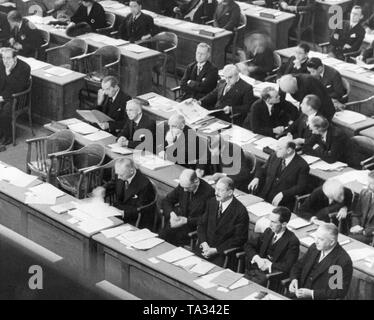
(184, 206)
(138, 128)
(331, 199)
(233, 96)
(311, 276)
(300, 85)
(282, 177)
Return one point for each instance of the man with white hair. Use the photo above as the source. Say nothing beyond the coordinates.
(233, 97)
(300, 85)
(282, 177)
(138, 128)
(331, 201)
(325, 271)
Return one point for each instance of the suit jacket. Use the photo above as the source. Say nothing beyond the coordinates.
(363, 214)
(354, 37)
(289, 67)
(292, 181)
(134, 134)
(206, 9)
(29, 37)
(262, 62)
(4, 27)
(285, 254)
(240, 97)
(17, 81)
(227, 16)
(139, 193)
(230, 231)
(301, 5)
(317, 205)
(96, 19)
(190, 206)
(368, 54)
(200, 84)
(261, 122)
(320, 282)
(134, 30)
(300, 128)
(116, 110)
(332, 80)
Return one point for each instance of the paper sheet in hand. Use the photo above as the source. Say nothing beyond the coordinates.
(175, 255)
(261, 209)
(148, 243)
(359, 254)
(203, 267)
(227, 278)
(349, 117)
(191, 111)
(298, 223)
(138, 235)
(58, 71)
(115, 147)
(16, 177)
(94, 116)
(46, 188)
(82, 128)
(117, 231)
(99, 135)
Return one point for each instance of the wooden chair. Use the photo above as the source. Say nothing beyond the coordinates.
(366, 148)
(39, 151)
(325, 48)
(68, 54)
(111, 22)
(356, 105)
(305, 23)
(299, 200)
(272, 75)
(75, 180)
(20, 104)
(237, 38)
(40, 54)
(251, 162)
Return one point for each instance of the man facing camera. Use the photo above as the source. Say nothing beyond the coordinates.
(311, 275)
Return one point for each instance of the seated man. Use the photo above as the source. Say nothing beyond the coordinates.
(363, 214)
(90, 12)
(270, 117)
(233, 97)
(138, 128)
(276, 249)
(227, 15)
(224, 224)
(331, 144)
(201, 76)
(311, 275)
(198, 11)
(330, 78)
(184, 206)
(297, 63)
(132, 190)
(300, 85)
(14, 78)
(112, 101)
(282, 177)
(330, 202)
(348, 39)
(137, 25)
(24, 37)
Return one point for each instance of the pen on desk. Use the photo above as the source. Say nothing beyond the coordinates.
(311, 230)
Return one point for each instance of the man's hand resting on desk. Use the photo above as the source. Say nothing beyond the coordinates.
(207, 251)
(123, 142)
(253, 185)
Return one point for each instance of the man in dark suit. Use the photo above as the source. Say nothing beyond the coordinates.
(89, 12)
(227, 15)
(331, 198)
(224, 224)
(312, 276)
(24, 37)
(14, 78)
(139, 131)
(297, 63)
(331, 144)
(132, 190)
(195, 10)
(201, 76)
(283, 176)
(330, 78)
(112, 101)
(277, 249)
(137, 25)
(349, 38)
(300, 85)
(4, 28)
(184, 206)
(270, 117)
(363, 214)
(234, 97)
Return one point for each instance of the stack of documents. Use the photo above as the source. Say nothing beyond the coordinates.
(139, 239)
(298, 223)
(108, 4)
(360, 254)
(192, 111)
(87, 223)
(215, 126)
(322, 165)
(360, 176)
(98, 209)
(196, 265)
(44, 193)
(262, 295)
(349, 117)
(15, 176)
(224, 277)
(82, 128)
(117, 231)
(116, 148)
(161, 103)
(94, 116)
(261, 209)
(239, 136)
(64, 207)
(175, 255)
(227, 278)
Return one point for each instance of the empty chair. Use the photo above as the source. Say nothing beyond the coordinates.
(111, 21)
(40, 53)
(237, 38)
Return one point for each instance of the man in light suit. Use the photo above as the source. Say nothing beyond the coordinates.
(283, 176)
(227, 15)
(310, 276)
(277, 249)
(234, 97)
(224, 224)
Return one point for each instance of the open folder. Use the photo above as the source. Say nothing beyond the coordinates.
(94, 116)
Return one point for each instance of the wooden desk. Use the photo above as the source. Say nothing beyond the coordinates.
(361, 80)
(136, 68)
(188, 36)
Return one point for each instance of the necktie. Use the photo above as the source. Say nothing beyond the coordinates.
(110, 100)
(227, 88)
(322, 255)
(283, 165)
(199, 68)
(219, 212)
(134, 127)
(275, 238)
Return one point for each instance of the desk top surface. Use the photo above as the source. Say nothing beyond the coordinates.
(253, 11)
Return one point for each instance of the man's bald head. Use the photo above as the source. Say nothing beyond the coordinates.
(288, 84)
(188, 180)
(285, 147)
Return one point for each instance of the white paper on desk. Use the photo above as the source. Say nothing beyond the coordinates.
(117, 231)
(70, 121)
(98, 209)
(99, 135)
(116, 148)
(215, 126)
(359, 254)
(82, 128)
(16, 177)
(147, 243)
(175, 255)
(240, 283)
(247, 79)
(63, 207)
(266, 142)
(188, 262)
(205, 281)
(310, 159)
(94, 116)
(239, 135)
(354, 175)
(261, 209)
(58, 71)
(151, 161)
(47, 199)
(349, 117)
(323, 165)
(79, 215)
(162, 103)
(203, 267)
(262, 296)
(138, 235)
(135, 48)
(298, 223)
(95, 225)
(191, 111)
(46, 188)
(227, 278)
(34, 63)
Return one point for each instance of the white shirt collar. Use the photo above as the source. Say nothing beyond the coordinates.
(269, 107)
(129, 180)
(310, 117)
(289, 159)
(226, 204)
(115, 96)
(325, 253)
(140, 118)
(324, 136)
(279, 235)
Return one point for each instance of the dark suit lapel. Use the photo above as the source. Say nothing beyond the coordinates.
(280, 245)
(203, 72)
(133, 187)
(226, 217)
(290, 166)
(266, 243)
(309, 264)
(326, 262)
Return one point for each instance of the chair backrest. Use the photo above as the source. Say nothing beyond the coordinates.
(88, 156)
(46, 36)
(165, 41)
(60, 141)
(243, 21)
(76, 47)
(347, 86)
(22, 100)
(251, 162)
(277, 59)
(110, 19)
(102, 57)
